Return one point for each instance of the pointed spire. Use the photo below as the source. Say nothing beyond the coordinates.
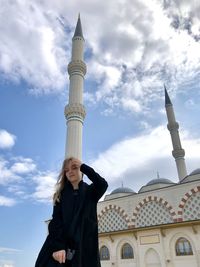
(167, 99)
(78, 30)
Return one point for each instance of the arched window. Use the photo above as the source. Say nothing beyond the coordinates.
(127, 252)
(183, 247)
(104, 254)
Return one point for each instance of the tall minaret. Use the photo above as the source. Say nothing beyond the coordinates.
(177, 152)
(75, 110)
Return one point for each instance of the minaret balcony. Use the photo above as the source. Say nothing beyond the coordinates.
(178, 153)
(77, 66)
(173, 126)
(75, 110)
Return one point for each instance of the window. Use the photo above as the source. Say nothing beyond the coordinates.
(183, 247)
(127, 252)
(104, 253)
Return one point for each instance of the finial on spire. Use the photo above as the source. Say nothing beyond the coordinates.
(78, 30)
(167, 99)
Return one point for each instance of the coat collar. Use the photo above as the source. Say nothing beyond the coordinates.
(69, 186)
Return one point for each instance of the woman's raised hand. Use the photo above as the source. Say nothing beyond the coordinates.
(76, 162)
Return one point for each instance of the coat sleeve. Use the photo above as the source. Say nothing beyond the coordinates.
(56, 229)
(99, 184)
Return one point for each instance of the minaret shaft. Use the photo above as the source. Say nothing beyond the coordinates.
(178, 152)
(75, 89)
(75, 111)
(77, 50)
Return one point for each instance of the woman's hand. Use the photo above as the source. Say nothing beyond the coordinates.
(60, 256)
(76, 162)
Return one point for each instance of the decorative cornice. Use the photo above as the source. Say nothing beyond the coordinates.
(177, 224)
(77, 66)
(75, 110)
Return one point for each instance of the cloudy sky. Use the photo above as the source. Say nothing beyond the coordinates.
(132, 47)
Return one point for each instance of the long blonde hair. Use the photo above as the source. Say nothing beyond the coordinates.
(62, 179)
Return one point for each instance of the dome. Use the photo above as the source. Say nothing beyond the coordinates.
(159, 181)
(197, 171)
(193, 176)
(122, 190)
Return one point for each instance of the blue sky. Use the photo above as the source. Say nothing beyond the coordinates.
(131, 49)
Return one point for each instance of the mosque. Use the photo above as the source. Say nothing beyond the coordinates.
(159, 226)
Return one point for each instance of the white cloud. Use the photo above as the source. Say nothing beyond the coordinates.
(34, 50)
(13, 169)
(133, 153)
(9, 250)
(7, 176)
(17, 190)
(6, 263)
(136, 160)
(7, 140)
(26, 165)
(134, 47)
(45, 186)
(144, 49)
(8, 202)
(24, 181)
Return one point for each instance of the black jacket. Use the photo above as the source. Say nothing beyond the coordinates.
(82, 228)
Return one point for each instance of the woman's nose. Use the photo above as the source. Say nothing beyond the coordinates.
(70, 172)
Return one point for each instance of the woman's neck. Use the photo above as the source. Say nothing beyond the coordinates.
(75, 185)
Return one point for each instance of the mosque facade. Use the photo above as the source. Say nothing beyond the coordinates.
(159, 226)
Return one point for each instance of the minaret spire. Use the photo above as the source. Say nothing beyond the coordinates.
(178, 152)
(167, 99)
(75, 110)
(78, 30)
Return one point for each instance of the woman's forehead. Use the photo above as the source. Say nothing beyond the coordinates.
(68, 163)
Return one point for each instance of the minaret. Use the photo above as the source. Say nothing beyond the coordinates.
(75, 110)
(177, 152)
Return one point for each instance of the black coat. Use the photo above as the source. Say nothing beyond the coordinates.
(80, 227)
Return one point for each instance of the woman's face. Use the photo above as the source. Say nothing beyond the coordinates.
(72, 172)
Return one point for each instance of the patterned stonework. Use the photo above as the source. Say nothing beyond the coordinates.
(153, 211)
(113, 218)
(189, 208)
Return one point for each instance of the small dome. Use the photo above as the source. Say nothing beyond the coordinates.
(193, 176)
(122, 190)
(197, 171)
(159, 181)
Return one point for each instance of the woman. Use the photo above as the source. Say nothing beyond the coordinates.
(73, 231)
